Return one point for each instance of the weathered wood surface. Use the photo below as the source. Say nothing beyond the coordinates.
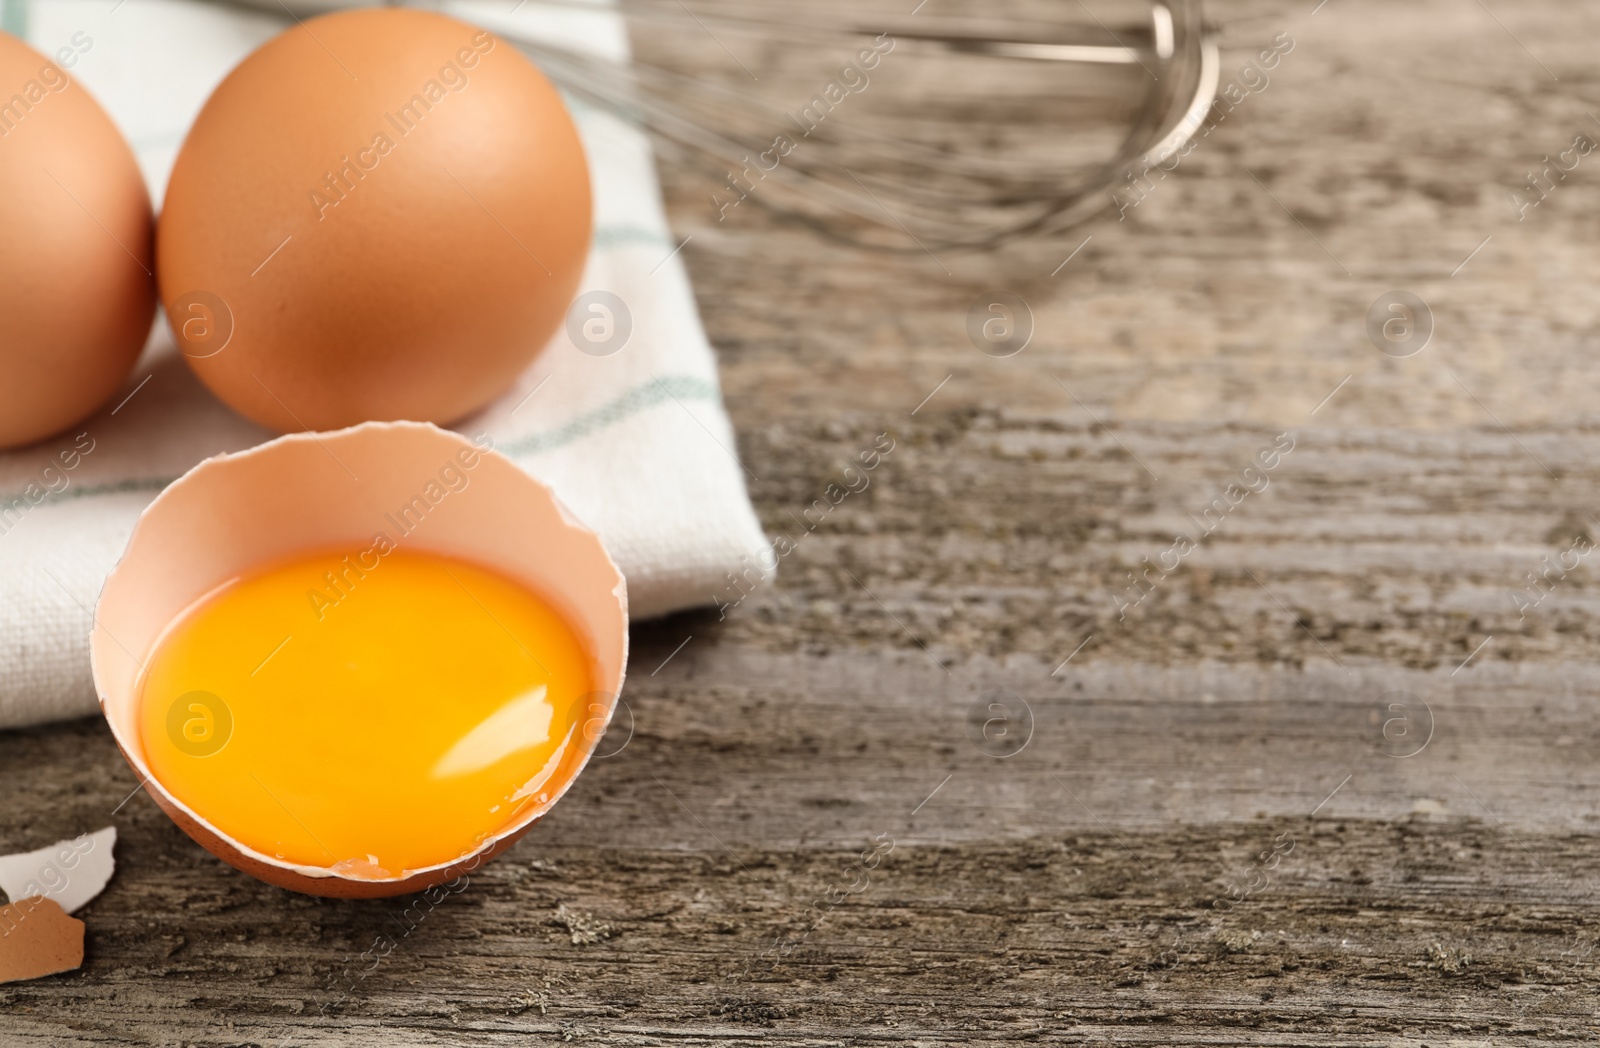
(1065, 894)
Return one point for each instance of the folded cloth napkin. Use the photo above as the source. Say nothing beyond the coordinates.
(634, 439)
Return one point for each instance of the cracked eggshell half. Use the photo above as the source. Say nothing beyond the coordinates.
(307, 491)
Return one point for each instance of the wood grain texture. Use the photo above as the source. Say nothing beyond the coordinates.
(1232, 733)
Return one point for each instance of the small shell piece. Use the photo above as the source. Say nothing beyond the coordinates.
(70, 872)
(307, 491)
(37, 938)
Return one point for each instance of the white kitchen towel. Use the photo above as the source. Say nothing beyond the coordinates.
(635, 441)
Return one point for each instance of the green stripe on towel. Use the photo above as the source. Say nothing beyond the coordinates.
(621, 236)
(656, 391)
(14, 17)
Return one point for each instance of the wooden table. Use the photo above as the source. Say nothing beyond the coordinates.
(1258, 725)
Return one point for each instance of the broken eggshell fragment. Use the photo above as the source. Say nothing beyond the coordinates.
(69, 872)
(37, 938)
(308, 491)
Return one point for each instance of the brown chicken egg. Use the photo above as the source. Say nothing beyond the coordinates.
(76, 291)
(380, 214)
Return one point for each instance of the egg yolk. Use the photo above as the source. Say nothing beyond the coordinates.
(372, 720)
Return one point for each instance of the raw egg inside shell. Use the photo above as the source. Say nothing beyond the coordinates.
(359, 687)
(376, 710)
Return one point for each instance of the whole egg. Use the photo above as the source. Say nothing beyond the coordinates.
(379, 214)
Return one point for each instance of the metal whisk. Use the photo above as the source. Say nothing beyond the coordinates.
(879, 150)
